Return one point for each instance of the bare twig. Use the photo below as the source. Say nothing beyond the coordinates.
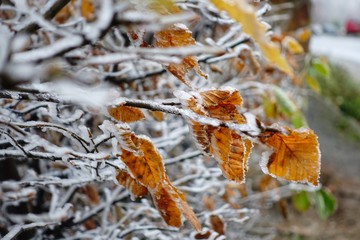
(21, 228)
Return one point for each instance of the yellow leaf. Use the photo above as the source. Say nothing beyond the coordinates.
(295, 157)
(292, 45)
(125, 113)
(164, 7)
(303, 35)
(245, 14)
(313, 83)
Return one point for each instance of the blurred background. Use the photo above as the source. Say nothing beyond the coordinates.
(332, 109)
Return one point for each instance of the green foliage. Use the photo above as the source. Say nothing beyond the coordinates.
(336, 85)
(301, 201)
(325, 203)
(322, 200)
(288, 107)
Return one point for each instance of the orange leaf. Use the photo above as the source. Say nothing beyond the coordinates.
(125, 113)
(228, 148)
(231, 153)
(166, 204)
(134, 187)
(147, 168)
(228, 95)
(179, 36)
(171, 203)
(157, 115)
(296, 156)
(87, 10)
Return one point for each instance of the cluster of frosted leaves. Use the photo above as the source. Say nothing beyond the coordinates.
(294, 154)
(229, 148)
(179, 35)
(146, 174)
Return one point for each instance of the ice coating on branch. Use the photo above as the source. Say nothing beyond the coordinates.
(182, 96)
(265, 156)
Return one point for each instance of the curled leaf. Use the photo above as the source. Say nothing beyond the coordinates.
(179, 36)
(295, 156)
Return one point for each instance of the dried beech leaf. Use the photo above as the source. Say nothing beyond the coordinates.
(245, 14)
(165, 202)
(213, 98)
(171, 203)
(125, 113)
(86, 10)
(157, 115)
(209, 202)
(92, 193)
(226, 112)
(134, 187)
(148, 168)
(179, 36)
(217, 224)
(296, 156)
(229, 150)
(124, 136)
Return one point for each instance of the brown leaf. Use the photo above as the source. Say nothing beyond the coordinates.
(228, 148)
(203, 235)
(134, 187)
(92, 193)
(125, 113)
(179, 36)
(90, 224)
(209, 203)
(217, 224)
(296, 156)
(171, 203)
(148, 167)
